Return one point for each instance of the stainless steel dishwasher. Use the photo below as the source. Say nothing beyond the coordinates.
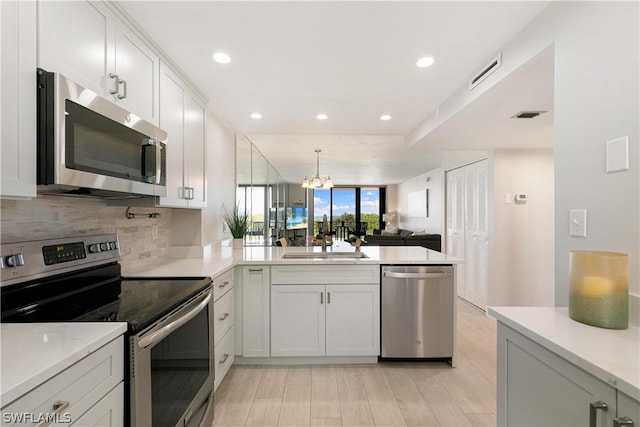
(418, 311)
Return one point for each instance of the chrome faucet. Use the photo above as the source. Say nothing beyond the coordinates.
(324, 233)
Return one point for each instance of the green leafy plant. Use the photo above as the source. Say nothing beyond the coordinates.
(236, 221)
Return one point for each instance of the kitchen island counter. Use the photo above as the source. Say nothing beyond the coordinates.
(34, 352)
(610, 355)
(225, 258)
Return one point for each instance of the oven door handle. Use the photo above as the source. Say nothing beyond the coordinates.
(161, 333)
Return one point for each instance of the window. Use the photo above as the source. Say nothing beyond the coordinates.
(350, 210)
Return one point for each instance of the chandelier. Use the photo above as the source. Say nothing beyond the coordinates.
(316, 182)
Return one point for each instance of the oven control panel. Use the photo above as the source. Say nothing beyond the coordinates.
(23, 261)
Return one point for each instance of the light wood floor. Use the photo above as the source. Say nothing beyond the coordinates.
(386, 394)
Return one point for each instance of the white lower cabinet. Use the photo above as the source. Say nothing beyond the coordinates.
(325, 310)
(223, 325)
(537, 387)
(88, 393)
(298, 320)
(325, 320)
(628, 411)
(255, 311)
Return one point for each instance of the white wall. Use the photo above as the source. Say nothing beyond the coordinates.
(523, 233)
(221, 179)
(597, 48)
(434, 222)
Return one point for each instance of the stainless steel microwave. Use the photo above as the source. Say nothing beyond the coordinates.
(89, 146)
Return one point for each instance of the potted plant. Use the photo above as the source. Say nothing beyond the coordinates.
(237, 224)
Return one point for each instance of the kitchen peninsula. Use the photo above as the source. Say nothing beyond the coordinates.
(263, 286)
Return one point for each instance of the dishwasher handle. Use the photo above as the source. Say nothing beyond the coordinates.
(405, 275)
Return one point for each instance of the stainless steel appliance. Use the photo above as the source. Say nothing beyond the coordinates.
(169, 351)
(417, 311)
(87, 145)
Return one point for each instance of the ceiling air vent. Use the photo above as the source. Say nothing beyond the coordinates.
(527, 114)
(486, 71)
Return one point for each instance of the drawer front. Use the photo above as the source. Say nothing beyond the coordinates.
(223, 315)
(222, 284)
(82, 385)
(324, 274)
(224, 357)
(108, 412)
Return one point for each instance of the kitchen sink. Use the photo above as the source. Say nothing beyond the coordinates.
(324, 255)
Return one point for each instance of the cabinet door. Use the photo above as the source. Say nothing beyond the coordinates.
(629, 408)
(455, 224)
(75, 38)
(297, 320)
(538, 388)
(18, 99)
(138, 66)
(255, 311)
(353, 320)
(172, 121)
(195, 152)
(108, 412)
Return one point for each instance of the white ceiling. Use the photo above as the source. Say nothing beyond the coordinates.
(354, 61)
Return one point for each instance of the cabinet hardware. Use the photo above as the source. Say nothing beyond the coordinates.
(224, 316)
(593, 412)
(255, 270)
(117, 80)
(58, 407)
(224, 359)
(224, 285)
(321, 294)
(124, 84)
(328, 297)
(622, 421)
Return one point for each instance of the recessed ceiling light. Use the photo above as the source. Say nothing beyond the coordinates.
(385, 117)
(256, 116)
(221, 58)
(322, 117)
(425, 61)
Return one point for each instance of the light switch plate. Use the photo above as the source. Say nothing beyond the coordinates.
(578, 222)
(618, 154)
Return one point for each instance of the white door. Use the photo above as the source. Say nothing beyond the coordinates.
(470, 233)
(455, 224)
(76, 39)
(353, 320)
(138, 67)
(255, 311)
(194, 152)
(297, 320)
(172, 122)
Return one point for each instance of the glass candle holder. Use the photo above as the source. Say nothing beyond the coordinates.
(599, 288)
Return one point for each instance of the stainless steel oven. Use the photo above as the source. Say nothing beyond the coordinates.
(169, 339)
(87, 145)
(172, 366)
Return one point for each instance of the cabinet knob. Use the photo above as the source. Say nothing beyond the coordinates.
(622, 421)
(593, 411)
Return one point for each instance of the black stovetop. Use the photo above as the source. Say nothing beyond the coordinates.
(98, 294)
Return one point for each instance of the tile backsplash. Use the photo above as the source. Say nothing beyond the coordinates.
(142, 240)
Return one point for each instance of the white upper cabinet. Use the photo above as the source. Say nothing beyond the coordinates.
(18, 99)
(87, 43)
(183, 118)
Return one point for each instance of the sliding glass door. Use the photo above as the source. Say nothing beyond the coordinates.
(350, 210)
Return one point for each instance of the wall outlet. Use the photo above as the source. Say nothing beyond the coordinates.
(578, 222)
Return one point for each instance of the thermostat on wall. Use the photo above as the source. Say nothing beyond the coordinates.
(521, 197)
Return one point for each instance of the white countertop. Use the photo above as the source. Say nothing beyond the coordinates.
(613, 356)
(272, 255)
(34, 352)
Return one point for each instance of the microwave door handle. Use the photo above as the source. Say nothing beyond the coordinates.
(159, 148)
(155, 170)
(162, 333)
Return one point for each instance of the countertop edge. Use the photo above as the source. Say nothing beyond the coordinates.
(34, 379)
(603, 373)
